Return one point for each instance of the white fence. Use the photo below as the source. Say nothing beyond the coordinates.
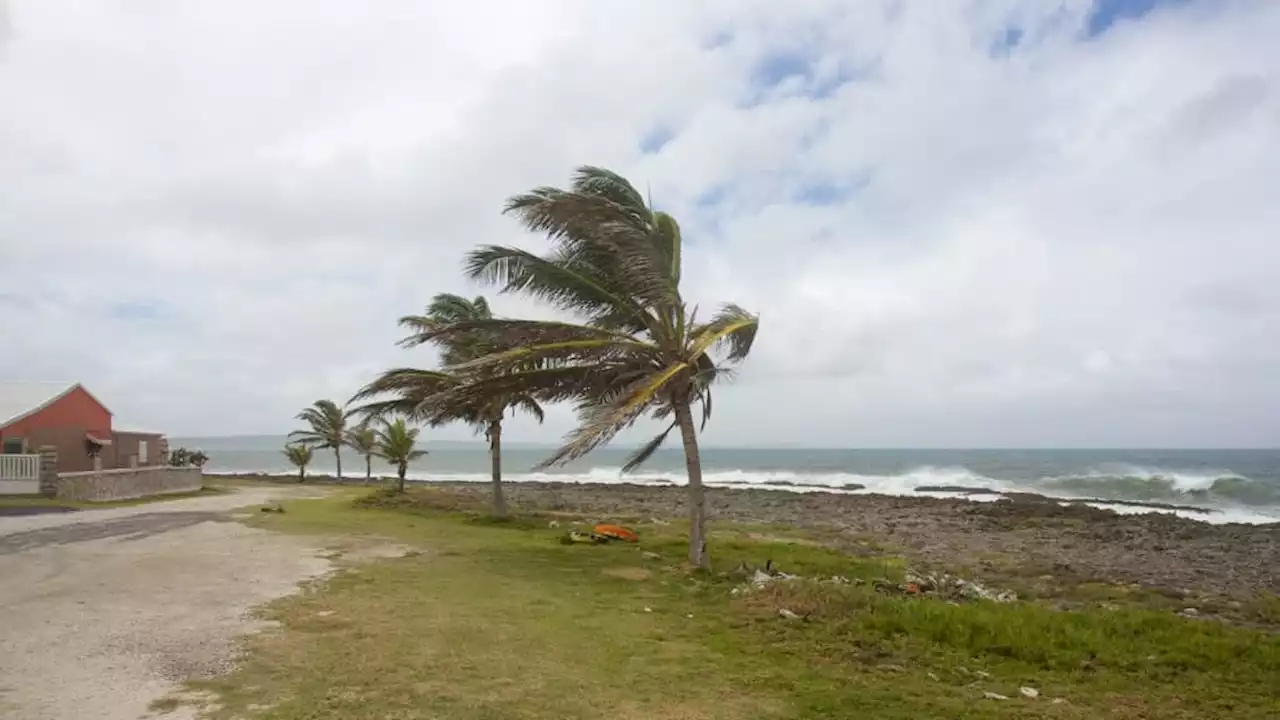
(19, 474)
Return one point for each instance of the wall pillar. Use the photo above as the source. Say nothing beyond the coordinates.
(48, 470)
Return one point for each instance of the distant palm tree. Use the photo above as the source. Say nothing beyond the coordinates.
(396, 446)
(300, 456)
(412, 391)
(639, 349)
(364, 440)
(328, 429)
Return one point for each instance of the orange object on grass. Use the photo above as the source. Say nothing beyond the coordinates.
(617, 532)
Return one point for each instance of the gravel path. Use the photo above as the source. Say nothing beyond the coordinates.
(104, 611)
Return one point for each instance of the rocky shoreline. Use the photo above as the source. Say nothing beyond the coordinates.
(1023, 540)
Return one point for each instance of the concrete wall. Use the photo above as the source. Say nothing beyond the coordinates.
(126, 484)
(19, 487)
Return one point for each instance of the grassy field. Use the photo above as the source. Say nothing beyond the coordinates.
(488, 621)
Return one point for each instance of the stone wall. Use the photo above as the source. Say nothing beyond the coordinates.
(127, 484)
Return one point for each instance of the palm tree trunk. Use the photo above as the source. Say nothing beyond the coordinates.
(337, 454)
(495, 468)
(368, 468)
(401, 471)
(698, 556)
(302, 473)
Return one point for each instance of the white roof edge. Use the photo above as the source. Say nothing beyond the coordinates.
(40, 404)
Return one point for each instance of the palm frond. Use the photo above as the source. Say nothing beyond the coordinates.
(560, 280)
(637, 458)
(732, 328)
(604, 422)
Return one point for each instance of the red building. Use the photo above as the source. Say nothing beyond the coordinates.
(66, 416)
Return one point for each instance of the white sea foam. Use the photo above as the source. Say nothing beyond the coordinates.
(1227, 494)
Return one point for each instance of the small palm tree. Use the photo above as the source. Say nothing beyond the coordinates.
(396, 446)
(328, 429)
(413, 391)
(638, 349)
(364, 440)
(300, 455)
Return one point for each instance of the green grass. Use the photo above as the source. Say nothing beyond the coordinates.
(44, 502)
(499, 620)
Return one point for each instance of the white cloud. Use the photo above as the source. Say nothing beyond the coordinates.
(214, 213)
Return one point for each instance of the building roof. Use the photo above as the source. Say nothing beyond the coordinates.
(20, 398)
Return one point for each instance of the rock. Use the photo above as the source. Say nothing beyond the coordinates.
(324, 613)
(648, 609)
(982, 674)
(934, 677)
(650, 555)
(1058, 701)
(274, 508)
(994, 696)
(787, 614)
(1029, 692)
(1189, 612)
(553, 524)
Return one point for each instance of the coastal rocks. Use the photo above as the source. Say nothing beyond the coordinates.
(954, 588)
(1218, 563)
(1029, 692)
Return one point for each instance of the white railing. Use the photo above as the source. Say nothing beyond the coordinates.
(19, 467)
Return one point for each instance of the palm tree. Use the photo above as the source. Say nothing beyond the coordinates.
(328, 429)
(412, 391)
(395, 445)
(299, 455)
(638, 348)
(364, 440)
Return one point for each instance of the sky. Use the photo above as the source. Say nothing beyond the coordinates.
(968, 223)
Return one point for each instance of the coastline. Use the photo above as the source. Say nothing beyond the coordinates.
(1026, 542)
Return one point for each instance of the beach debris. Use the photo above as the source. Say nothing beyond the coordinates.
(573, 537)
(324, 613)
(658, 521)
(1190, 612)
(647, 555)
(1058, 701)
(950, 587)
(273, 508)
(982, 674)
(994, 696)
(617, 532)
(648, 609)
(600, 535)
(787, 614)
(553, 524)
(933, 676)
(690, 616)
(1029, 692)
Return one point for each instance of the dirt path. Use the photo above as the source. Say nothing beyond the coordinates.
(104, 611)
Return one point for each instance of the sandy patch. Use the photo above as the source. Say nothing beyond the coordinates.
(111, 610)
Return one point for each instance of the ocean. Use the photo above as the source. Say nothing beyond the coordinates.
(1238, 485)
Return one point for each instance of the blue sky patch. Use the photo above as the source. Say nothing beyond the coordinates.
(712, 196)
(656, 139)
(134, 310)
(1106, 13)
(1007, 41)
(828, 192)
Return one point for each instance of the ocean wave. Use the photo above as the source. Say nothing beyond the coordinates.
(1223, 491)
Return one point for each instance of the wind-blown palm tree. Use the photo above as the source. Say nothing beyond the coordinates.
(396, 446)
(412, 391)
(638, 350)
(300, 456)
(364, 440)
(328, 429)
